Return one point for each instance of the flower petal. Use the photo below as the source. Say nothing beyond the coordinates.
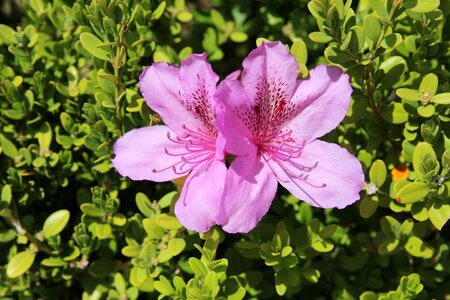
(269, 78)
(161, 88)
(199, 205)
(322, 101)
(142, 150)
(250, 187)
(231, 117)
(181, 96)
(336, 168)
(199, 83)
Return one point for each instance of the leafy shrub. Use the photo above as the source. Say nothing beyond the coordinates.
(71, 227)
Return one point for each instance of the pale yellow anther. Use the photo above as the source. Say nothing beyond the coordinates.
(426, 97)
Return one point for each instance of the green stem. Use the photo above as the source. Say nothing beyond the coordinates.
(15, 224)
(13, 221)
(117, 65)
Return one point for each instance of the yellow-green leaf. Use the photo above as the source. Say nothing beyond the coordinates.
(90, 43)
(378, 173)
(20, 263)
(55, 223)
(412, 192)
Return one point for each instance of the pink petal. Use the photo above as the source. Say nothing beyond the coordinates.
(161, 88)
(249, 190)
(269, 78)
(142, 150)
(181, 96)
(198, 207)
(199, 84)
(322, 101)
(230, 119)
(233, 75)
(337, 169)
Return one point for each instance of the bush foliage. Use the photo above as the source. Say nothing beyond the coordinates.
(71, 227)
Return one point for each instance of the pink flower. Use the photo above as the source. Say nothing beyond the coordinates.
(271, 121)
(184, 98)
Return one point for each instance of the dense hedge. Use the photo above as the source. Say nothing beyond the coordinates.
(72, 227)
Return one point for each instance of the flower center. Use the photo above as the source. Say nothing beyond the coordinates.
(282, 149)
(426, 97)
(199, 152)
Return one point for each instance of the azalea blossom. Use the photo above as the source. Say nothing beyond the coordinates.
(184, 98)
(270, 123)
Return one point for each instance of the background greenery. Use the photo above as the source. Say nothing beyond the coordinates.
(71, 227)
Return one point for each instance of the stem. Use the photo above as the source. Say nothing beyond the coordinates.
(117, 64)
(370, 86)
(15, 224)
(13, 221)
(386, 26)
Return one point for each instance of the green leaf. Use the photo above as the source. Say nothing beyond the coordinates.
(416, 247)
(44, 136)
(281, 279)
(163, 286)
(159, 56)
(90, 42)
(388, 246)
(320, 37)
(429, 84)
(425, 161)
(238, 36)
(20, 263)
(328, 231)
(167, 199)
(8, 148)
(176, 246)
(55, 223)
(379, 7)
(197, 266)
(53, 262)
(443, 98)
(367, 207)
(66, 121)
(119, 283)
(6, 195)
(391, 71)
(357, 39)
(378, 173)
(446, 160)
(217, 19)
(391, 41)
(152, 229)
(394, 113)
(131, 250)
(426, 111)
(372, 27)
(439, 214)
(103, 231)
(184, 16)
(168, 222)
(157, 13)
(412, 192)
(368, 295)
(408, 94)
(421, 6)
(91, 210)
(7, 35)
(101, 267)
(144, 205)
(390, 226)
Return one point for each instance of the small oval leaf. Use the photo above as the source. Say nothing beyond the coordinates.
(20, 263)
(55, 223)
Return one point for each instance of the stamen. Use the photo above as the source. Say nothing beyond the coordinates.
(282, 149)
(200, 152)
